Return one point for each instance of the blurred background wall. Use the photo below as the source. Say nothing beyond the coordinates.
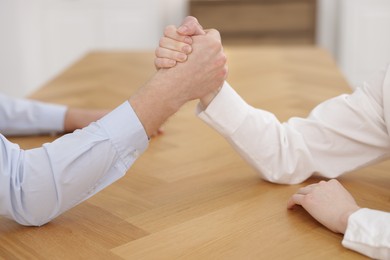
(357, 33)
(40, 38)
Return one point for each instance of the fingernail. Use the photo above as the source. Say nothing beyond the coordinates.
(182, 29)
(182, 57)
(187, 49)
(188, 40)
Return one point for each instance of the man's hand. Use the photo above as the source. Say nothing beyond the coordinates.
(176, 45)
(205, 69)
(190, 27)
(173, 48)
(204, 72)
(328, 202)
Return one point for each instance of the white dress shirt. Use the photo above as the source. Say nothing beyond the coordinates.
(39, 184)
(340, 135)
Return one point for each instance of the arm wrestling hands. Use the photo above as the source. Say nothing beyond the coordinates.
(177, 44)
(203, 73)
(327, 201)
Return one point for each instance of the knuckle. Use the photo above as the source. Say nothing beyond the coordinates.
(157, 52)
(216, 45)
(221, 61)
(215, 32)
(181, 57)
(334, 182)
(223, 57)
(161, 42)
(191, 19)
(166, 30)
(221, 73)
(213, 46)
(166, 63)
(225, 72)
(157, 62)
(169, 29)
(308, 199)
(194, 19)
(170, 63)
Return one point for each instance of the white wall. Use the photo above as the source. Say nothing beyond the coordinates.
(10, 47)
(364, 38)
(327, 24)
(357, 33)
(42, 37)
(39, 38)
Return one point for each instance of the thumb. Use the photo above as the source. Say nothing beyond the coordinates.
(190, 27)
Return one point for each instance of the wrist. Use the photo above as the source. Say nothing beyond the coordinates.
(207, 99)
(345, 217)
(156, 101)
(168, 89)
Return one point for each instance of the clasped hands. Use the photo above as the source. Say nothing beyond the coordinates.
(188, 43)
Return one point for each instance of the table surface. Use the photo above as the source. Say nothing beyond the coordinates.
(190, 196)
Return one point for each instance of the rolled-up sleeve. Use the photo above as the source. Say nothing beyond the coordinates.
(39, 184)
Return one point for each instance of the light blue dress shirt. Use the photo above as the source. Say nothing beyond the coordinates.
(39, 184)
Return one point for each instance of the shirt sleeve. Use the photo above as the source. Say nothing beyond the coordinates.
(368, 232)
(39, 184)
(339, 135)
(29, 117)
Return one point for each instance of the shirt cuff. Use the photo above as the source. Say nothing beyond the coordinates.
(51, 117)
(226, 112)
(126, 132)
(368, 232)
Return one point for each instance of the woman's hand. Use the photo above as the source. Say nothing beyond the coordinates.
(328, 202)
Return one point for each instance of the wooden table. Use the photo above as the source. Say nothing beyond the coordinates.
(190, 196)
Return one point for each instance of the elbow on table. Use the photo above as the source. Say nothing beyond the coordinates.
(29, 216)
(283, 167)
(282, 179)
(29, 193)
(282, 175)
(32, 222)
(296, 175)
(31, 208)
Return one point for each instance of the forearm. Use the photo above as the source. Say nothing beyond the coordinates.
(291, 152)
(156, 101)
(257, 136)
(77, 118)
